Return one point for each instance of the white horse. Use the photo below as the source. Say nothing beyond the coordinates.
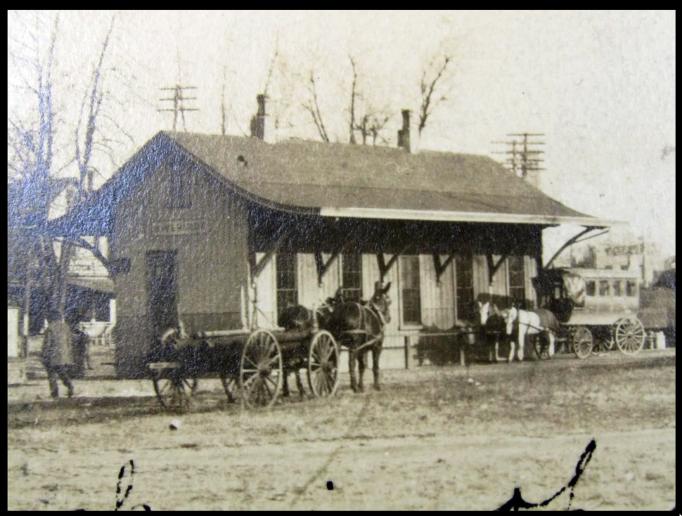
(529, 322)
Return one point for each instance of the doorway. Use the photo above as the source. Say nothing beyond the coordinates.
(162, 290)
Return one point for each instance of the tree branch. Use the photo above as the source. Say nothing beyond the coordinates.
(313, 107)
(352, 126)
(427, 88)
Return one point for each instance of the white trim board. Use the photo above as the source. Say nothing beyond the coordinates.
(463, 216)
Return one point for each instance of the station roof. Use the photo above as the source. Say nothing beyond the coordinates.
(343, 180)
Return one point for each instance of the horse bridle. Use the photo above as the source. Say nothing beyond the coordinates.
(376, 311)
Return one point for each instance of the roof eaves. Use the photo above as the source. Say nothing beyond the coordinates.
(458, 216)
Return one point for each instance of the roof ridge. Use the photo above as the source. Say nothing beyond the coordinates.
(302, 141)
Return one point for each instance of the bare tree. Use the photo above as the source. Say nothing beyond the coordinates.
(364, 117)
(271, 68)
(434, 76)
(223, 114)
(353, 94)
(32, 141)
(312, 106)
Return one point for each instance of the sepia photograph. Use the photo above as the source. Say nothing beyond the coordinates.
(341, 260)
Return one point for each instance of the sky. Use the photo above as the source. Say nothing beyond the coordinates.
(600, 85)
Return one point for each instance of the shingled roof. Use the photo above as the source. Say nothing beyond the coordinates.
(333, 177)
(343, 180)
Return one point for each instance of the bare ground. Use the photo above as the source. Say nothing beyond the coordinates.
(433, 438)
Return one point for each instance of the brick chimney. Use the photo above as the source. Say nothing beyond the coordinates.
(261, 124)
(408, 136)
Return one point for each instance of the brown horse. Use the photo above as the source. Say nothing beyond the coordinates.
(360, 327)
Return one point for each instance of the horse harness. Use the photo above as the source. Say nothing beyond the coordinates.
(518, 323)
(372, 309)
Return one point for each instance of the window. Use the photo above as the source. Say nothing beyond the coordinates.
(604, 287)
(631, 288)
(409, 288)
(590, 288)
(517, 282)
(464, 272)
(179, 190)
(617, 288)
(351, 276)
(287, 286)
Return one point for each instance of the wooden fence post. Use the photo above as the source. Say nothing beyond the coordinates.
(407, 352)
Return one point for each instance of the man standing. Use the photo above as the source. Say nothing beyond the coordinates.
(58, 356)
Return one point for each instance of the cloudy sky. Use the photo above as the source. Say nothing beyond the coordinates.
(600, 85)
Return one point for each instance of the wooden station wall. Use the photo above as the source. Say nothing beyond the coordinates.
(219, 234)
(437, 298)
(210, 238)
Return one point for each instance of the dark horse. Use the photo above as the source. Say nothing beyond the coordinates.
(300, 318)
(492, 327)
(360, 327)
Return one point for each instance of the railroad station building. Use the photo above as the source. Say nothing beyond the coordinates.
(206, 227)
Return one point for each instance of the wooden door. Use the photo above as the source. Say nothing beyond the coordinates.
(162, 305)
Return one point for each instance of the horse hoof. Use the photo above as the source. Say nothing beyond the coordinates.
(377, 387)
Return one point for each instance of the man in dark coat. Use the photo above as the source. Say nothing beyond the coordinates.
(57, 356)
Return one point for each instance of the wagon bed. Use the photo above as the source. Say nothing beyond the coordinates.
(250, 364)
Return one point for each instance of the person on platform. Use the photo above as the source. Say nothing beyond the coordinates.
(57, 355)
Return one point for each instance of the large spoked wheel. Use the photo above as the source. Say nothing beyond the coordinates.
(323, 364)
(583, 342)
(629, 335)
(173, 390)
(231, 386)
(260, 372)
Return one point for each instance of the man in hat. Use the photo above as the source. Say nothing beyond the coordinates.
(57, 356)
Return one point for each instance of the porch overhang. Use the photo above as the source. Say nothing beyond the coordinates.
(462, 216)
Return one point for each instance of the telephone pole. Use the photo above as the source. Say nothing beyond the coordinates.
(524, 158)
(178, 100)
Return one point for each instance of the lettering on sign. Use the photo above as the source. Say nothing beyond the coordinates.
(625, 250)
(177, 227)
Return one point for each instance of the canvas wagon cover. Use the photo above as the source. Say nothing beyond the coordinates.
(574, 286)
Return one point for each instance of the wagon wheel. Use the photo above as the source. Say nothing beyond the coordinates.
(260, 372)
(323, 364)
(582, 342)
(629, 335)
(231, 386)
(173, 390)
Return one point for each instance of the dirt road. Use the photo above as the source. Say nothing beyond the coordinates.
(432, 439)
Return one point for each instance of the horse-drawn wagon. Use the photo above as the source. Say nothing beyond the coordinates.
(597, 309)
(250, 364)
(253, 364)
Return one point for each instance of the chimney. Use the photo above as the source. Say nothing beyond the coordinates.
(261, 124)
(408, 136)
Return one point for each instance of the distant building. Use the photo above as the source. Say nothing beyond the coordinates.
(640, 255)
(90, 289)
